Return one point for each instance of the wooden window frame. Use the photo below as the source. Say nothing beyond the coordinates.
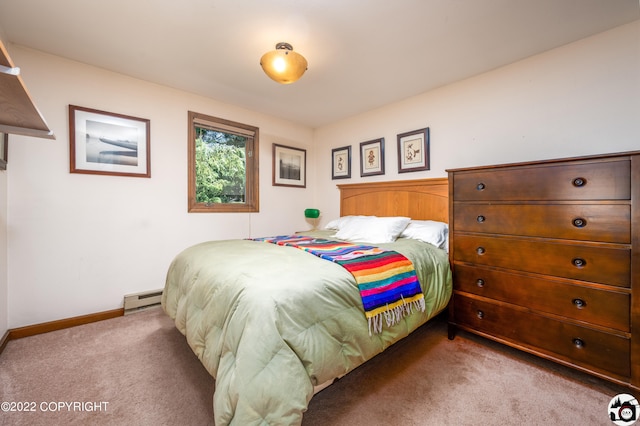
(252, 183)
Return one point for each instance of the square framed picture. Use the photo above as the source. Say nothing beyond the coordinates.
(106, 143)
(341, 163)
(413, 151)
(289, 166)
(372, 157)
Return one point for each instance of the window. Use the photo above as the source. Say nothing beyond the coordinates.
(223, 165)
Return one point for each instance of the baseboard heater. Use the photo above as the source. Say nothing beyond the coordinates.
(139, 301)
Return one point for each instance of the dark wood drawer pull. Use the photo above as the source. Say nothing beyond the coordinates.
(579, 222)
(579, 263)
(480, 250)
(579, 303)
(480, 186)
(578, 343)
(480, 282)
(480, 219)
(579, 182)
(480, 314)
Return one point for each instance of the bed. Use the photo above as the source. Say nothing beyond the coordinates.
(274, 324)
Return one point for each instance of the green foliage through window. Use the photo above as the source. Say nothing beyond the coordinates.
(223, 165)
(220, 167)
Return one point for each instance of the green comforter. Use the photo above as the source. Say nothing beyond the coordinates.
(269, 322)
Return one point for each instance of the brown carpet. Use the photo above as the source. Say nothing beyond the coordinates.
(139, 370)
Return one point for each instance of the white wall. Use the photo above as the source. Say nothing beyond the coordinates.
(580, 99)
(78, 243)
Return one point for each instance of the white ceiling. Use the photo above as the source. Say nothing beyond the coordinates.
(362, 53)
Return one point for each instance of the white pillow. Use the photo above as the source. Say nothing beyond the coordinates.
(429, 231)
(336, 224)
(372, 229)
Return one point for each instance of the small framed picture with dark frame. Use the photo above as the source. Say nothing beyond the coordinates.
(106, 143)
(413, 151)
(372, 157)
(289, 166)
(4, 149)
(341, 162)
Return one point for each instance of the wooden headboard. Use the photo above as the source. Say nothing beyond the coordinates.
(420, 199)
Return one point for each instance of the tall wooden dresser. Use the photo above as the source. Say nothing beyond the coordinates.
(546, 258)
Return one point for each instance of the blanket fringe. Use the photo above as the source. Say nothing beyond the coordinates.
(394, 315)
(376, 323)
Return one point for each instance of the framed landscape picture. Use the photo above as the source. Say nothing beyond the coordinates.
(107, 143)
(289, 166)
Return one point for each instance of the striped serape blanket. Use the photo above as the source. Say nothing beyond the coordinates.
(386, 279)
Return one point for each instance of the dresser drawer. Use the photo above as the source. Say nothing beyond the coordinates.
(604, 180)
(606, 265)
(578, 345)
(587, 222)
(580, 303)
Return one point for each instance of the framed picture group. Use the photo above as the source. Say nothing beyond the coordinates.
(115, 144)
(412, 148)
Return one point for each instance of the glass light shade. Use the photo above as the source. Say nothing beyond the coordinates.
(312, 213)
(283, 64)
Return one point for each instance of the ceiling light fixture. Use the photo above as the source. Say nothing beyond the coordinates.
(283, 64)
